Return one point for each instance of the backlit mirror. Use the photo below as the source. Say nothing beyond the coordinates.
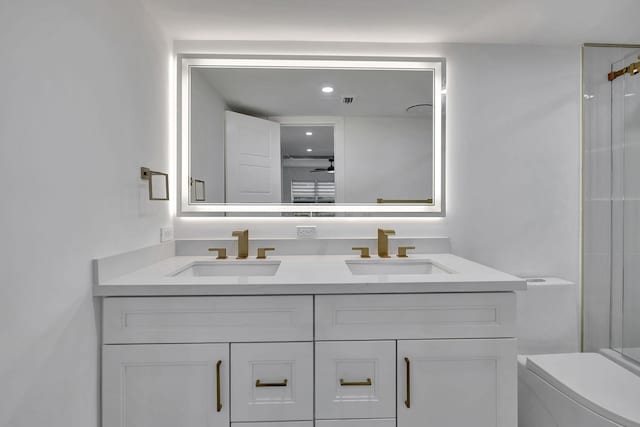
(311, 136)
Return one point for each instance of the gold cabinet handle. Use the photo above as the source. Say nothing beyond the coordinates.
(282, 384)
(407, 402)
(262, 252)
(364, 251)
(222, 252)
(344, 383)
(218, 393)
(402, 251)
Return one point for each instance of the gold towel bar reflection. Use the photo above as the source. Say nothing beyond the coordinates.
(282, 384)
(344, 383)
(632, 69)
(427, 201)
(198, 183)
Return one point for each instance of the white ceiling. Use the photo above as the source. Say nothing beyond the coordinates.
(292, 92)
(554, 22)
(294, 141)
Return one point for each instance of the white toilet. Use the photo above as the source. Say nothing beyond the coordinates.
(557, 386)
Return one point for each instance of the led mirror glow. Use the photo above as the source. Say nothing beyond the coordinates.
(375, 166)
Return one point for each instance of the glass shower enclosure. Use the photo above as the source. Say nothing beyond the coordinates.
(625, 206)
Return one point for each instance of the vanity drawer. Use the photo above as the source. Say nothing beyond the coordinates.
(207, 319)
(355, 379)
(276, 424)
(271, 382)
(415, 316)
(356, 423)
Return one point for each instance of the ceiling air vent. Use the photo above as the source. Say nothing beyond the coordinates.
(348, 99)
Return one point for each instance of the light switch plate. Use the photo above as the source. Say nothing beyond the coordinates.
(306, 231)
(166, 234)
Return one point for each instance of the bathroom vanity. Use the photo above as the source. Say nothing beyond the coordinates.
(307, 340)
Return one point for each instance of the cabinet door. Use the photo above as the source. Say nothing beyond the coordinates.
(453, 383)
(165, 385)
(272, 382)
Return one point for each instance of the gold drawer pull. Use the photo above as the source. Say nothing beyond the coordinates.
(407, 402)
(282, 384)
(344, 383)
(218, 391)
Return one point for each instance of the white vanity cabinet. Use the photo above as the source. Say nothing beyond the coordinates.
(372, 360)
(454, 365)
(166, 361)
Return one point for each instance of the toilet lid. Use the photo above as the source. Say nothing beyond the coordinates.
(593, 381)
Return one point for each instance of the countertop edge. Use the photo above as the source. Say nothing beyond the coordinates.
(138, 290)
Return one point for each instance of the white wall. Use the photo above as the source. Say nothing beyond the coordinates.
(207, 136)
(513, 155)
(84, 106)
(387, 157)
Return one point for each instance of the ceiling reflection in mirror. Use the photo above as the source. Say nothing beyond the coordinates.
(311, 138)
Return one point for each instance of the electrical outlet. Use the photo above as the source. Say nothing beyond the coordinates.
(166, 234)
(306, 231)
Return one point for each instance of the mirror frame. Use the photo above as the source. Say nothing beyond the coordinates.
(186, 62)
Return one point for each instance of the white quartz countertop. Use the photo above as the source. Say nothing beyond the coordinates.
(309, 274)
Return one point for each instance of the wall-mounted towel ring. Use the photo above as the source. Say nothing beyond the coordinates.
(147, 174)
(199, 191)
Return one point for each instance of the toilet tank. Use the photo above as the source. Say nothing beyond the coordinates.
(548, 317)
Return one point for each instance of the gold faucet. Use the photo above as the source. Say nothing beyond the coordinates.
(243, 243)
(383, 242)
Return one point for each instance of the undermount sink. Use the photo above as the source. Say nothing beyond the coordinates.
(395, 266)
(228, 268)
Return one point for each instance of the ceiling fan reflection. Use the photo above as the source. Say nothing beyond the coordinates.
(329, 169)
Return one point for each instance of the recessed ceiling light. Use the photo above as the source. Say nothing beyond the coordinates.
(308, 133)
(309, 150)
(327, 89)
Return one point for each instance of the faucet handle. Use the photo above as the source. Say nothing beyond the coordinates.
(402, 251)
(388, 232)
(364, 251)
(262, 252)
(222, 252)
